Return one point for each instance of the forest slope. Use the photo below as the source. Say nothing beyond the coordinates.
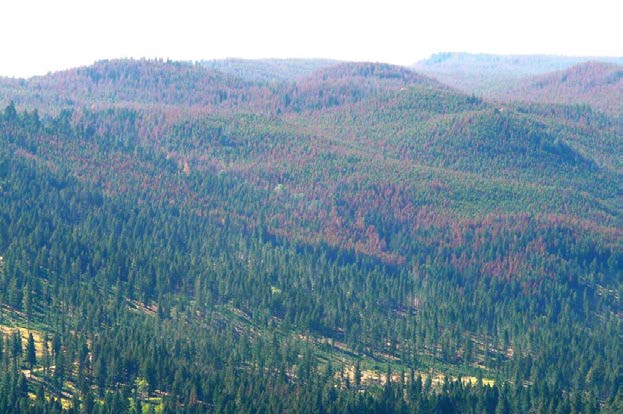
(365, 233)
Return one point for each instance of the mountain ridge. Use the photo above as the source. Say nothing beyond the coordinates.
(596, 83)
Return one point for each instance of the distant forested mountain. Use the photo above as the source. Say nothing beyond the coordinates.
(594, 83)
(269, 70)
(482, 73)
(360, 239)
(126, 82)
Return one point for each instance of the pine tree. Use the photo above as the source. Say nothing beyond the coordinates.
(357, 375)
(31, 355)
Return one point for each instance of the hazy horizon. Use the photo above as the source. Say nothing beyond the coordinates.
(45, 37)
(60, 69)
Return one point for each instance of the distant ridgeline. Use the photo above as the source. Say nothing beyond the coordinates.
(538, 78)
(311, 236)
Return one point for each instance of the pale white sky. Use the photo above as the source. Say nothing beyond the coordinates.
(38, 36)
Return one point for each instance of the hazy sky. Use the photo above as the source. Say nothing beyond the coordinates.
(41, 36)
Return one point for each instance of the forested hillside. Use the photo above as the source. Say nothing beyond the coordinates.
(363, 238)
(596, 83)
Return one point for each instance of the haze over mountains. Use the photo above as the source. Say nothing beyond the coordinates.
(313, 236)
(598, 84)
(538, 78)
(485, 73)
(268, 70)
